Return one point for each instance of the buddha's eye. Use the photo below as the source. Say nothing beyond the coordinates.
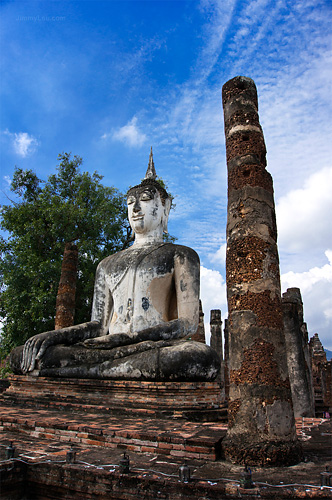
(146, 196)
(130, 200)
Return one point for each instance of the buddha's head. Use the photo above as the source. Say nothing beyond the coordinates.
(148, 205)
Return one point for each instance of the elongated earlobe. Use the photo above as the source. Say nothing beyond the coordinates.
(167, 207)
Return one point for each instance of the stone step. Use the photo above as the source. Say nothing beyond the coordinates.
(193, 415)
(162, 437)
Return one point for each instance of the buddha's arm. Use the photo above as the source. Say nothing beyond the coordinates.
(35, 347)
(102, 306)
(186, 274)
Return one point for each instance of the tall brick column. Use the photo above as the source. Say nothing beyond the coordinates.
(261, 421)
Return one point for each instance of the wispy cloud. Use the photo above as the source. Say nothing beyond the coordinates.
(7, 180)
(23, 143)
(128, 134)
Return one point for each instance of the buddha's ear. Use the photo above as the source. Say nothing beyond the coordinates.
(167, 207)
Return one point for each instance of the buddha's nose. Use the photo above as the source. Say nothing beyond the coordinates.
(137, 206)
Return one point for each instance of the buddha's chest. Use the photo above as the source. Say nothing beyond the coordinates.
(141, 289)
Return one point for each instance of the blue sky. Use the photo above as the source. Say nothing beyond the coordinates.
(108, 79)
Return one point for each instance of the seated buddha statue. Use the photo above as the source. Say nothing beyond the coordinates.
(145, 308)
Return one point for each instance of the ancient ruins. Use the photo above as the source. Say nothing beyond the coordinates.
(139, 378)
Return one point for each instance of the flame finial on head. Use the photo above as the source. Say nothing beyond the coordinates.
(150, 180)
(151, 171)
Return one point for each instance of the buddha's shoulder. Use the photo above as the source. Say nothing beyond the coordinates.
(180, 251)
(165, 250)
(112, 259)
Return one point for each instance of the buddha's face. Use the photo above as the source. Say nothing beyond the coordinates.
(145, 210)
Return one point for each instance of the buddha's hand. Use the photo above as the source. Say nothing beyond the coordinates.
(35, 347)
(33, 350)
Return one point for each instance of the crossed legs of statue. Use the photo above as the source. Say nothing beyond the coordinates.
(163, 360)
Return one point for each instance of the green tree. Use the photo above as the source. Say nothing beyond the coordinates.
(70, 208)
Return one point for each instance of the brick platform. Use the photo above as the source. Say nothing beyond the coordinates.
(144, 417)
(192, 400)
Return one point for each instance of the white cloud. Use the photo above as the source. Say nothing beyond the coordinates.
(213, 289)
(129, 134)
(304, 215)
(316, 290)
(23, 143)
(220, 256)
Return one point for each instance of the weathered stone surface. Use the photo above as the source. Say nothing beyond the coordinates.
(261, 421)
(162, 360)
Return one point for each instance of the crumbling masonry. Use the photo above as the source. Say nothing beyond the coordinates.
(261, 421)
(298, 356)
(322, 377)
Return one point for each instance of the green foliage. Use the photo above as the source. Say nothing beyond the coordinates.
(71, 206)
(5, 369)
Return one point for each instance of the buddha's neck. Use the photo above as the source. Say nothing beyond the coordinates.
(148, 239)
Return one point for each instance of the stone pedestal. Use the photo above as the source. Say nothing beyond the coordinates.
(200, 401)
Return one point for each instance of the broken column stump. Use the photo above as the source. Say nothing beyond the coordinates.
(261, 421)
(215, 329)
(298, 356)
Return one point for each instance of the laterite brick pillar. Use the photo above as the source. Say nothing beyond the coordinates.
(226, 359)
(65, 300)
(216, 341)
(215, 329)
(261, 421)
